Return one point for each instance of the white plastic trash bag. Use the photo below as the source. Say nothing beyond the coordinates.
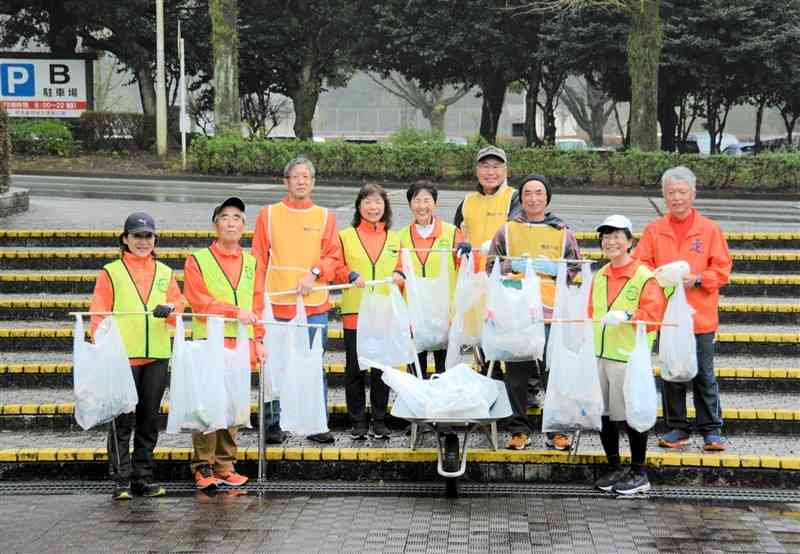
(383, 333)
(462, 375)
(571, 303)
(237, 380)
(574, 399)
(672, 273)
(103, 381)
(197, 393)
(274, 341)
(428, 304)
(469, 305)
(513, 328)
(677, 348)
(639, 388)
(300, 381)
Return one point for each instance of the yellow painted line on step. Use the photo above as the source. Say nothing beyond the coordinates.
(39, 304)
(768, 280)
(760, 308)
(405, 455)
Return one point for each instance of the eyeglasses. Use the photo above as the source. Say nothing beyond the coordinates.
(143, 236)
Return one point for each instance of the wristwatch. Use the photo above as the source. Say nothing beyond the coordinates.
(316, 272)
(628, 315)
(698, 281)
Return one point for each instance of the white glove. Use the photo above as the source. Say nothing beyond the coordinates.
(485, 248)
(614, 317)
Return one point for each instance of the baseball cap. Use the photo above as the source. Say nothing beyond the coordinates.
(616, 222)
(491, 151)
(232, 201)
(139, 222)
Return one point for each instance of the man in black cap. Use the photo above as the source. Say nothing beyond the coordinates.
(224, 280)
(544, 237)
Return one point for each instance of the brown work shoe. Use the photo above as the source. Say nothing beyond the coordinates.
(518, 441)
(713, 443)
(559, 442)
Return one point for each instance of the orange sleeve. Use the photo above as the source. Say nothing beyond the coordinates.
(590, 306)
(720, 263)
(652, 303)
(341, 274)
(199, 297)
(258, 299)
(102, 300)
(260, 244)
(331, 252)
(459, 238)
(645, 250)
(175, 298)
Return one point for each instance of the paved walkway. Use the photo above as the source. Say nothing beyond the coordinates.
(228, 522)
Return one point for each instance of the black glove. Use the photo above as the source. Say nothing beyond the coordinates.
(351, 278)
(463, 248)
(162, 310)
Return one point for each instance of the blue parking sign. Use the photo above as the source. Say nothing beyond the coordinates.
(17, 79)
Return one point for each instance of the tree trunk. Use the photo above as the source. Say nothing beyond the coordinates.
(147, 90)
(759, 121)
(549, 120)
(305, 94)
(712, 113)
(494, 95)
(668, 120)
(598, 116)
(225, 52)
(531, 106)
(5, 153)
(644, 52)
(436, 117)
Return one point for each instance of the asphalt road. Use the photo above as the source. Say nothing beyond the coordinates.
(101, 202)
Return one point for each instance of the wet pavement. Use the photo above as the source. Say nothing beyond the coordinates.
(230, 522)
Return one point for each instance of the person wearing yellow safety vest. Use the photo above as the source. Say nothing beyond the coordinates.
(428, 231)
(224, 280)
(624, 289)
(485, 210)
(296, 241)
(543, 237)
(138, 283)
(370, 251)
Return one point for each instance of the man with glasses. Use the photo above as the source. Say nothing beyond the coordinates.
(297, 242)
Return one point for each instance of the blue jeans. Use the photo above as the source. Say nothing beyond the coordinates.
(272, 409)
(708, 414)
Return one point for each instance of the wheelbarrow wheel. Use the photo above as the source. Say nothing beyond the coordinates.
(451, 487)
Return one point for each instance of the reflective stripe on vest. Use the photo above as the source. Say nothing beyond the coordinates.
(483, 215)
(536, 239)
(144, 336)
(612, 342)
(357, 259)
(433, 262)
(221, 288)
(295, 245)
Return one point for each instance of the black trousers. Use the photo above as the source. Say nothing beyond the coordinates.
(522, 377)
(355, 383)
(151, 381)
(439, 357)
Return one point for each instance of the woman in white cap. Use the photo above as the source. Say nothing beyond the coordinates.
(623, 290)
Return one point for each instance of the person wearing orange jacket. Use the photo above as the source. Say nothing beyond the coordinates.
(138, 283)
(226, 281)
(296, 241)
(623, 290)
(428, 231)
(370, 251)
(684, 234)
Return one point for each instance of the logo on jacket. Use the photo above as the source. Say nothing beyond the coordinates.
(162, 285)
(697, 246)
(632, 293)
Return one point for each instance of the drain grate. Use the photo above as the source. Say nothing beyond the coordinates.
(412, 488)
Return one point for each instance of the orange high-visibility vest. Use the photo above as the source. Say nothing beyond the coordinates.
(295, 245)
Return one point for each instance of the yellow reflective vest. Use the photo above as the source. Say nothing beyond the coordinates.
(433, 263)
(484, 214)
(221, 288)
(616, 342)
(357, 259)
(144, 336)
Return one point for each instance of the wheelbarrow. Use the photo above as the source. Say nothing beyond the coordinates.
(452, 450)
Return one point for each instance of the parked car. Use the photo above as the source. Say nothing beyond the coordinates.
(740, 149)
(571, 144)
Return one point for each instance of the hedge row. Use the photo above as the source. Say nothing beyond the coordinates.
(5, 152)
(41, 136)
(449, 162)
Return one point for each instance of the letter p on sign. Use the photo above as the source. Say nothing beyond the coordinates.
(17, 79)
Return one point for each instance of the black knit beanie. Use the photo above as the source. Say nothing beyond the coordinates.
(535, 177)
